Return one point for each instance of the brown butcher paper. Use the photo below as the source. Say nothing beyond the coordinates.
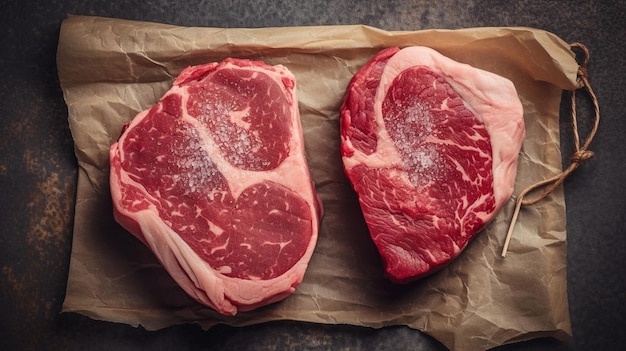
(112, 69)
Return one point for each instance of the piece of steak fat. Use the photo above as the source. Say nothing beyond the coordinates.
(214, 180)
(430, 146)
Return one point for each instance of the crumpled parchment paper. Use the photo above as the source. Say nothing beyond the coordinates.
(111, 69)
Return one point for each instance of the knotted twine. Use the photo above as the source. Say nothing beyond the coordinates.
(580, 155)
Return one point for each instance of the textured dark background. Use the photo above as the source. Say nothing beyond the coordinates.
(38, 171)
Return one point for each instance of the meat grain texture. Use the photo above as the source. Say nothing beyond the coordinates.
(214, 180)
(430, 145)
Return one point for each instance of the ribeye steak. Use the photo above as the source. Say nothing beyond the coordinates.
(214, 180)
(430, 145)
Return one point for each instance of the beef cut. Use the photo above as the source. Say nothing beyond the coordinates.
(430, 146)
(214, 180)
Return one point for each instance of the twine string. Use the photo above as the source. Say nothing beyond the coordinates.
(581, 153)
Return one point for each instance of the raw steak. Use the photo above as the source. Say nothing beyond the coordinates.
(430, 146)
(214, 180)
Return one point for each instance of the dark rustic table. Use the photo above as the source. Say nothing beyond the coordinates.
(38, 172)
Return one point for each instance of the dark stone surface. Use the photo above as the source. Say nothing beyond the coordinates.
(38, 172)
